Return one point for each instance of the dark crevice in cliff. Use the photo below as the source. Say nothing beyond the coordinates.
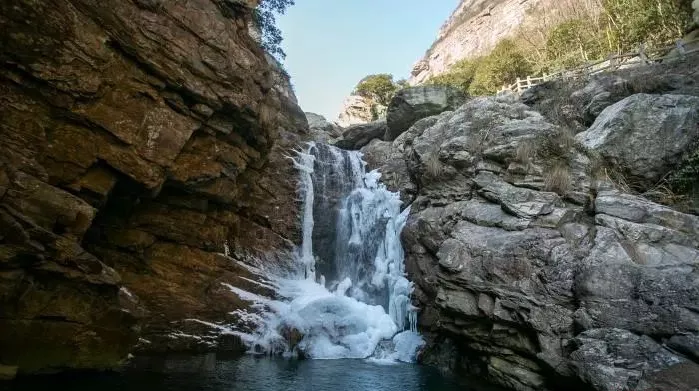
(123, 199)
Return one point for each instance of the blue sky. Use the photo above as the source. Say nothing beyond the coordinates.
(331, 44)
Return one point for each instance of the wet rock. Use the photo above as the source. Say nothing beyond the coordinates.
(388, 159)
(680, 377)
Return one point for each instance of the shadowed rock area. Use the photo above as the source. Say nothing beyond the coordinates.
(138, 139)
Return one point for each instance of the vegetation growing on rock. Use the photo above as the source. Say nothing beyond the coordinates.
(579, 33)
(265, 18)
(379, 87)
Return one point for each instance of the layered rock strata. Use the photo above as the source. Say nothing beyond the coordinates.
(140, 140)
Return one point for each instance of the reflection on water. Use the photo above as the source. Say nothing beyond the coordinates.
(248, 374)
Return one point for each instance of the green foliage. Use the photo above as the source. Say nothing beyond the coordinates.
(655, 22)
(503, 65)
(572, 43)
(579, 34)
(380, 87)
(487, 74)
(402, 83)
(460, 75)
(265, 18)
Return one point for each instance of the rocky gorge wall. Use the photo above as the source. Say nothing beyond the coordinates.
(543, 256)
(138, 139)
(476, 26)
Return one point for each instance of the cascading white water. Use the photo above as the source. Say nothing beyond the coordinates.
(349, 297)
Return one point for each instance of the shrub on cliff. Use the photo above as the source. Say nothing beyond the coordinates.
(655, 22)
(379, 87)
(460, 75)
(503, 65)
(265, 18)
(487, 74)
(573, 33)
(572, 43)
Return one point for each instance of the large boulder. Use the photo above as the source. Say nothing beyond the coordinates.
(414, 103)
(321, 129)
(357, 136)
(530, 273)
(645, 136)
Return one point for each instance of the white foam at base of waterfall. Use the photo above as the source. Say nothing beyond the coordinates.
(345, 321)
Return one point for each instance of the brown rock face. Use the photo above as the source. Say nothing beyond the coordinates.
(136, 139)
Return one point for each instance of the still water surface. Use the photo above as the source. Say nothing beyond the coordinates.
(249, 374)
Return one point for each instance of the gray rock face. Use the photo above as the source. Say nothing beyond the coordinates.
(540, 287)
(412, 104)
(645, 135)
(598, 94)
(358, 110)
(321, 129)
(474, 28)
(615, 359)
(357, 136)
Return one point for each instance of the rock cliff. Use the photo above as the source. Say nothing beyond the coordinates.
(473, 29)
(138, 139)
(540, 259)
(359, 110)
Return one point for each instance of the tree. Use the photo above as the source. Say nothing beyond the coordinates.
(402, 83)
(379, 87)
(503, 65)
(655, 22)
(572, 43)
(266, 20)
(460, 75)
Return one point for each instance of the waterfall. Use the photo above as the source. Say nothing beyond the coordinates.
(350, 297)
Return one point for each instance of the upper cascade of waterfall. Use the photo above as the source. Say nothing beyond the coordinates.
(349, 297)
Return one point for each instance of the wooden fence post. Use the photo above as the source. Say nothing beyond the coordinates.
(529, 82)
(519, 85)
